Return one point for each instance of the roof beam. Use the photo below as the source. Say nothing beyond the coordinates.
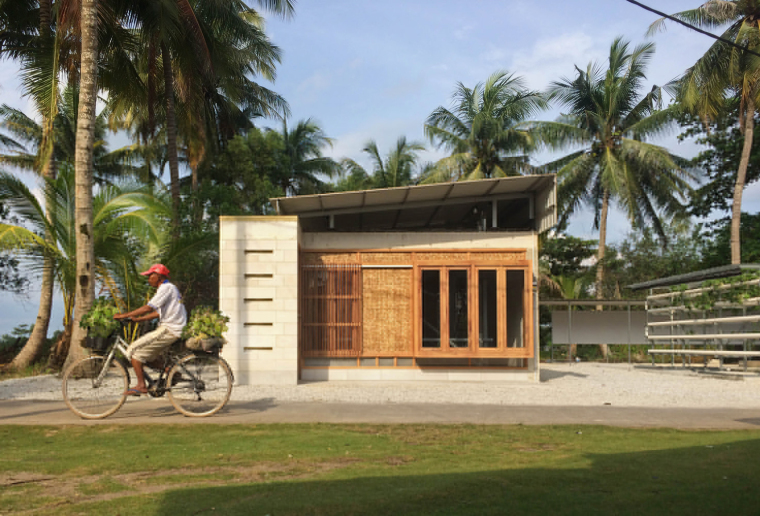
(412, 205)
(398, 213)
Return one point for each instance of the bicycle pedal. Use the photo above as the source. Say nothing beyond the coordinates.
(156, 391)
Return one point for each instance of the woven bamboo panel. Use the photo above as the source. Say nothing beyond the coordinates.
(443, 257)
(511, 256)
(329, 258)
(387, 309)
(386, 258)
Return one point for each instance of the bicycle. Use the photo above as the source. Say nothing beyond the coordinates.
(198, 383)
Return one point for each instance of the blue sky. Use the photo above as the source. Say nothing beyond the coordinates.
(375, 70)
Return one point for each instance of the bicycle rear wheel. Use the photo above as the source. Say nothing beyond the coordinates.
(91, 392)
(200, 385)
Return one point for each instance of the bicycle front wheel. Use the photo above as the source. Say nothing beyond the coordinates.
(200, 385)
(92, 392)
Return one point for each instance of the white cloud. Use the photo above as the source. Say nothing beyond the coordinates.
(310, 88)
(316, 81)
(405, 88)
(494, 55)
(385, 133)
(463, 32)
(550, 59)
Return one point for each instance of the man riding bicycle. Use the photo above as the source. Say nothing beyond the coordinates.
(166, 305)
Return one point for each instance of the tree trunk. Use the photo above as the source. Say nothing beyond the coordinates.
(47, 144)
(88, 89)
(600, 257)
(33, 347)
(60, 349)
(171, 131)
(46, 15)
(741, 175)
(36, 342)
(197, 208)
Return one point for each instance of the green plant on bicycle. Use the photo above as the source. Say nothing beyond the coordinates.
(198, 383)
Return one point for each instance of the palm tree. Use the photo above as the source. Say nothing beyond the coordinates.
(123, 216)
(205, 67)
(39, 54)
(352, 177)
(162, 27)
(609, 120)
(303, 159)
(17, 38)
(725, 71)
(29, 133)
(42, 37)
(107, 166)
(396, 169)
(85, 138)
(46, 40)
(483, 131)
(239, 52)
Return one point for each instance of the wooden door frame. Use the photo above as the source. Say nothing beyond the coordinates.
(473, 350)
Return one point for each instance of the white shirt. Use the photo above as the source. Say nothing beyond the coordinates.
(168, 303)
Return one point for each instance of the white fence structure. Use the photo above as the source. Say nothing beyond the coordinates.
(711, 313)
(611, 327)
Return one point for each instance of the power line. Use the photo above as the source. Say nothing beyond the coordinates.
(692, 27)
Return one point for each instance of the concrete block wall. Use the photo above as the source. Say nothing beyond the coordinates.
(258, 290)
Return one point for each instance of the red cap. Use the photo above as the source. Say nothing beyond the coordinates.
(158, 269)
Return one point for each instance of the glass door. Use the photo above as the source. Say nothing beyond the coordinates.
(431, 309)
(515, 309)
(487, 309)
(478, 311)
(458, 313)
(445, 309)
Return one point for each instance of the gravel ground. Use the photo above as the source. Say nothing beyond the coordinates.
(562, 384)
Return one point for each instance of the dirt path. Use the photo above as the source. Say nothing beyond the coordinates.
(147, 411)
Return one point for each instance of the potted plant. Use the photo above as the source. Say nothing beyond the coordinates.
(205, 329)
(100, 324)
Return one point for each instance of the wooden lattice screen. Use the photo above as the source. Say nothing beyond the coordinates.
(331, 310)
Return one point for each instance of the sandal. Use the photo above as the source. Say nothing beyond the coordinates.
(135, 392)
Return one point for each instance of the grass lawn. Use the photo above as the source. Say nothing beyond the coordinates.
(324, 469)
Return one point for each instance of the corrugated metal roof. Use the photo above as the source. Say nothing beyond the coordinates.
(541, 187)
(725, 271)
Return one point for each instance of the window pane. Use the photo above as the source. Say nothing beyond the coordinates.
(431, 309)
(458, 309)
(487, 308)
(515, 315)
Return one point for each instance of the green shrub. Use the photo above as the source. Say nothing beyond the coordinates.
(99, 319)
(205, 322)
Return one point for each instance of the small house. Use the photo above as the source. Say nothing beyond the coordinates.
(410, 283)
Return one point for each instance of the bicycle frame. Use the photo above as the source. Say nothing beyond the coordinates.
(198, 384)
(122, 346)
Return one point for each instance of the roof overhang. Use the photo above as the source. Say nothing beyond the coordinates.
(539, 189)
(725, 271)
